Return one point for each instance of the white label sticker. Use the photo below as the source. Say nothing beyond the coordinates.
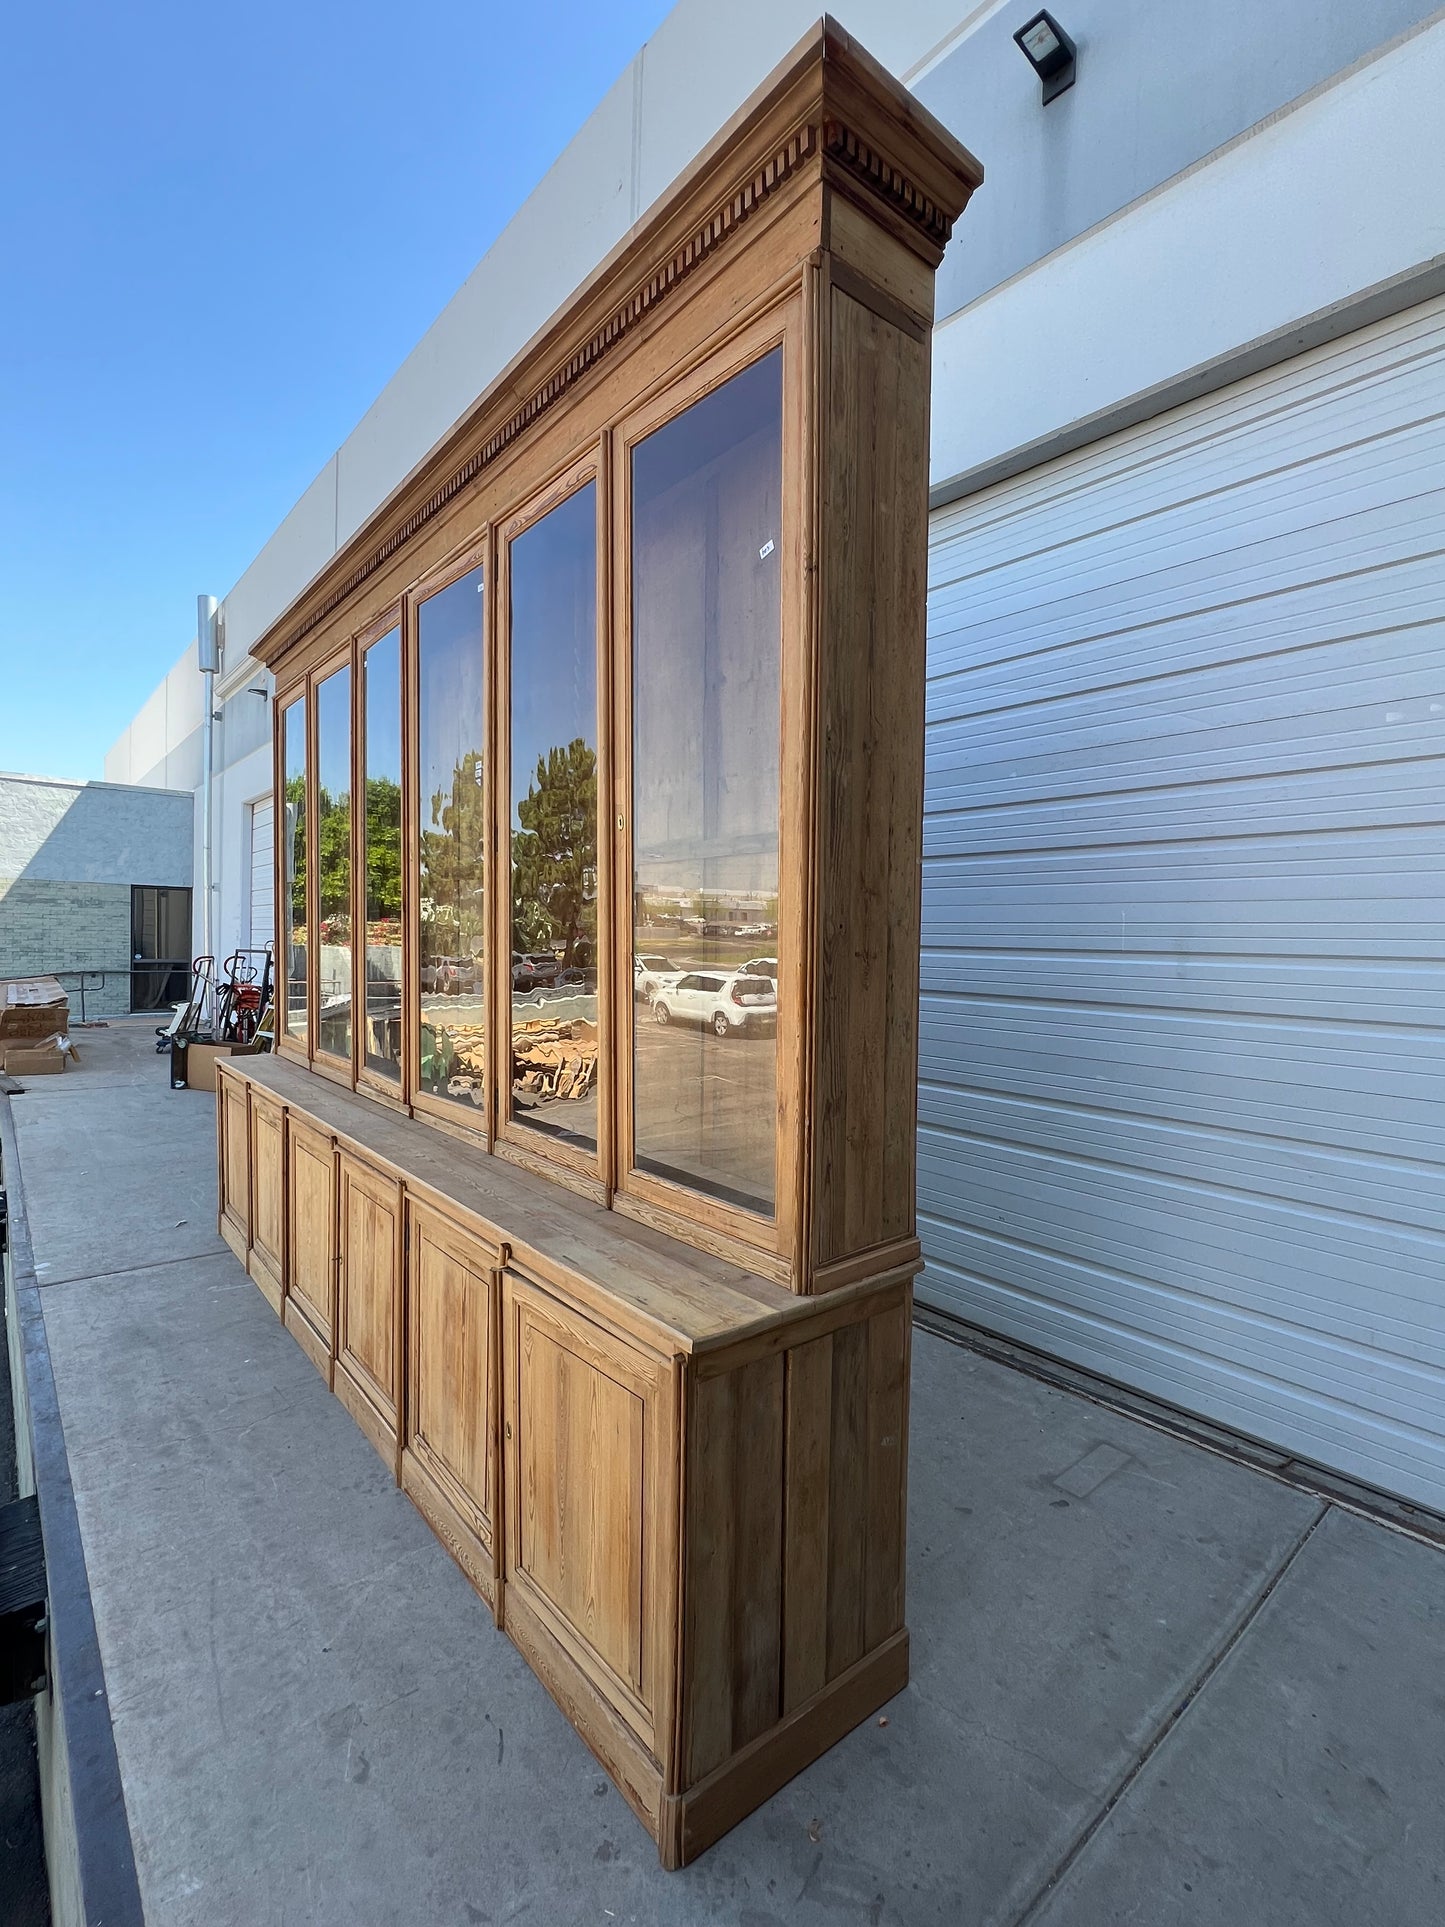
(765, 551)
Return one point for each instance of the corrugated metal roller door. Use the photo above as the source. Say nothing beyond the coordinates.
(1182, 1098)
(263, 888)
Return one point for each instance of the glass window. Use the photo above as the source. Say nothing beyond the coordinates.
(333, 864)
(451, 815)
(381, 833)
(291, 922)
(706, 670)
(554, 821)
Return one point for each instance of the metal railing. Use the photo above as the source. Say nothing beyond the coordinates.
(93, 978)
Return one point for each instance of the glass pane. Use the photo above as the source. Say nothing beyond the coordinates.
(333, 864)
(381, 692)
(291, 921)
(160, 928)
(554, 822)
(706, 669)
(451, 799)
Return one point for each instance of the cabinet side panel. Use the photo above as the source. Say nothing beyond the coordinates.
(870, 798)
(805, 1589)
(732, 1640)
(846, 1482)
(758, 1540)
(887, 1494)
(847, 1501)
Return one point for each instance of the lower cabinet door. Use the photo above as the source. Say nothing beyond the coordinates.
(589, 1451)
(267, 1195)
(235, 1164)
(449, 1456)
(368, 1309)
(310, 1305)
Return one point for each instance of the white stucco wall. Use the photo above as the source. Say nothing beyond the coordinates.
(1302, 219)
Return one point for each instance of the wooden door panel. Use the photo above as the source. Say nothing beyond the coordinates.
(311, 1228)
(368, 1340)
(581, 1524)
(449, 1349)
(267, 1188)
(235, 1159)
(589, 1463)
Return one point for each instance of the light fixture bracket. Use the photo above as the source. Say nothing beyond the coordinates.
(1050, 52)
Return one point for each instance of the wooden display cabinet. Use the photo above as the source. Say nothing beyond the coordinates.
(591, 1127)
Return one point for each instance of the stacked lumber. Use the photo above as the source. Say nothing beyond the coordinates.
(469, 1062)
(556, 1059)
(33, 1007)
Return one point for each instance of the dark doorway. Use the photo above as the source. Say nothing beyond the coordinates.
(160, 946)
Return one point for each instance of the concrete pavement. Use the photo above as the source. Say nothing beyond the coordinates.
(1149, 1683)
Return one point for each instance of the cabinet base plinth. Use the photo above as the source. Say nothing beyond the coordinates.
(381, 1434)
(634, 1772)
(234, 1237)
(265, 1279)
(462, 1541)
(691, 1822)
(314, 1346)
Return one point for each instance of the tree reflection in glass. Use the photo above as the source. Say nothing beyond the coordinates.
(553, 679)
(381, 695)
(706, 673)
(291, 923)
(451, 813)
(333, 864)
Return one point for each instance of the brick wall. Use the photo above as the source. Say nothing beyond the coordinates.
(69, 854)
(48, 926)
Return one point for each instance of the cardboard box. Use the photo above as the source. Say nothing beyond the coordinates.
(38, 1057)
(201, 1064)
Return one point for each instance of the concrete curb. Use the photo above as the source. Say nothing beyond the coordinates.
(89, 1855)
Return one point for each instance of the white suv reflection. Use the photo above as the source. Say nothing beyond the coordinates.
(726, 1003)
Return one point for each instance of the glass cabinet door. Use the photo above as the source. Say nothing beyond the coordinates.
(333, 864)
(706, 492)
(553, 830)
(291, 828)
(381, 856)
(452, 832)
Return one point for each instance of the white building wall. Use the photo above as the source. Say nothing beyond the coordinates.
(237, 788)
(1274, 244)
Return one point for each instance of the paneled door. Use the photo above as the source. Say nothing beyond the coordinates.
(267, 1197)
(310, 1305)
(449, 1454)
(235, 1165)
(368, 1313)
(589, 1451)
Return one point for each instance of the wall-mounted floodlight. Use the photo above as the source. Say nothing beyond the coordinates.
(1050, 52)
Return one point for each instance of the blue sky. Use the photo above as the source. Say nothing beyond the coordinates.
(222, 232)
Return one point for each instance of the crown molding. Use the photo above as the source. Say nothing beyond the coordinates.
(827, 107)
